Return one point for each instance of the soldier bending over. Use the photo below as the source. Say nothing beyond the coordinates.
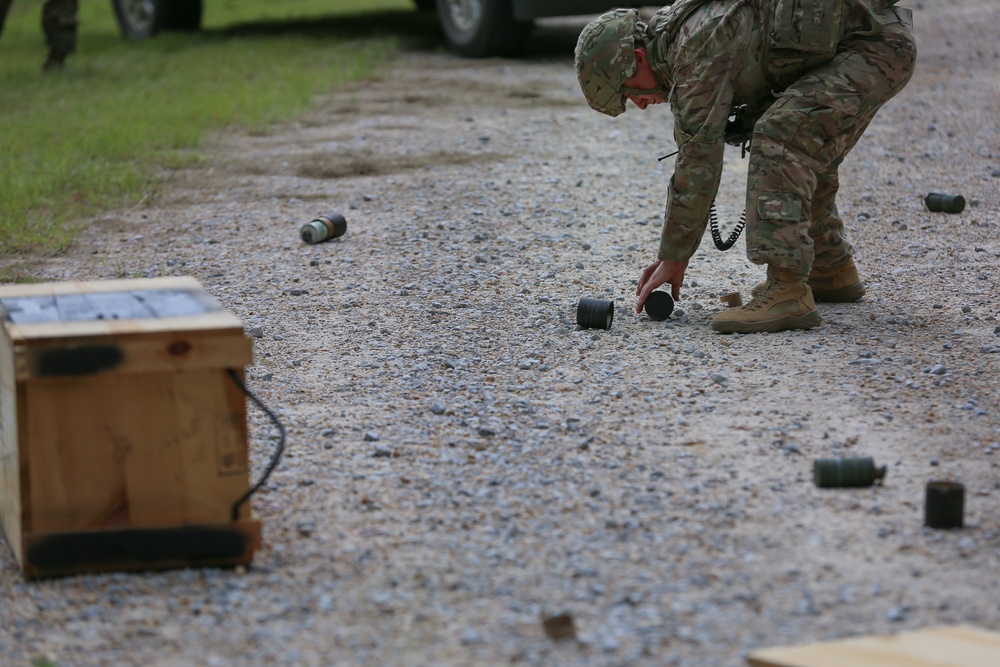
(808, 77)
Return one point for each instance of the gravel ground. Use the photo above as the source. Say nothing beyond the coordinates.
(463, 461)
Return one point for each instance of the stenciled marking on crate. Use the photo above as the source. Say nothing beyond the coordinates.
(132, 546)
(77, 360)
(230, 448)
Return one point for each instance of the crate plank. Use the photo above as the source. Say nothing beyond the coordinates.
(168, 352)
(76, 478)
(955, 646)
(10, 457)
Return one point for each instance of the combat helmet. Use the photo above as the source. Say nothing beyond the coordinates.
(605, 59)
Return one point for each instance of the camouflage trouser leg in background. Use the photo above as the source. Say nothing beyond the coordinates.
(800, 141)
(59, 21)
(4, 7)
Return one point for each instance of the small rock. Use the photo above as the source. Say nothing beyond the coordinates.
(306, 528)
(258, 332)
(371, 436)
(438, 408)
(559, 626)
(896, 615)
(382, 452)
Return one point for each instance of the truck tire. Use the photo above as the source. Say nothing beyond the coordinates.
(482, 28)
(141, 19)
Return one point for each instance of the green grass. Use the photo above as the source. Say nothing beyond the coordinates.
(95, 135)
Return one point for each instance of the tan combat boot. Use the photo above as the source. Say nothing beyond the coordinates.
(785, 302)
(841, 285)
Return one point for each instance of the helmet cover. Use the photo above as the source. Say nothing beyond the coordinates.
(605, 59)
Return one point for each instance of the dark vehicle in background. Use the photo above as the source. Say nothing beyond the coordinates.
(473, 28)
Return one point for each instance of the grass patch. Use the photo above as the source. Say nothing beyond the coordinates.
(95, 135)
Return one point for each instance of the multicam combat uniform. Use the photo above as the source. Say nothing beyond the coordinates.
(715, 61)
(59, 22)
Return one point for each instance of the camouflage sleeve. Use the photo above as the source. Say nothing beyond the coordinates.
(704, 72)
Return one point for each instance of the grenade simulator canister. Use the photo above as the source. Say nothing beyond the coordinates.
(939, 202)
(658, 305)
(595, 313)
(323, 228)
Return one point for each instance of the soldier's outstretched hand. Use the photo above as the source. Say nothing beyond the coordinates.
(656, 274)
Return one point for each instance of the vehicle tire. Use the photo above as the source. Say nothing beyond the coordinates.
(183, 15)
(140, 19)
(482, 28)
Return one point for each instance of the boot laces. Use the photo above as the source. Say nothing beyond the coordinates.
(763, 297)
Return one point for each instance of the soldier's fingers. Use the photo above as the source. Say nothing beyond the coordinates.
(648, 271)
(643, 295)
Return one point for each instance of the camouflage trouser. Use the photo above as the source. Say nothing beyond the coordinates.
(59, 24)
(4, 7)
(800, 142)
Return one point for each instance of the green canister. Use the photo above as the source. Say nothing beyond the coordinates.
(323, 228)
(940, 202)
(847, 472)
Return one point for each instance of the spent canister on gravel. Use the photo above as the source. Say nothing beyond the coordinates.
(939, 202)
(944, 505)
(324, 228)
(847, 472)
(595, 313)
(658, 306)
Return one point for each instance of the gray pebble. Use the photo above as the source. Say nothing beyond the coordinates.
(438, 408)
(255, 332)
(371, 436)
(896, 615)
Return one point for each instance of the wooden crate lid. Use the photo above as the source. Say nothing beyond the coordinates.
(47, 311)
(955, 646)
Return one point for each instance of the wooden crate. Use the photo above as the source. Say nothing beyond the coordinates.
(955, 646)
(122, 435)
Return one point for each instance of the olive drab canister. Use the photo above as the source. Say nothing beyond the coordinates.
(942, 203)
(658, 305)
(323, 228)
(847, 472)
(944, 505)
(595, 313)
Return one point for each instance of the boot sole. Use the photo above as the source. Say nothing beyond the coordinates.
(848, 294)
(807, 321)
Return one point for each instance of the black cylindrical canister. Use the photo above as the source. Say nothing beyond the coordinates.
(658, 306)
(324, 228)
(595, 313)
(944, 505)
(938, 202)
(854, 471)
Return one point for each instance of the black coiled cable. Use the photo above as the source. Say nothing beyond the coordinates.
(713, 224)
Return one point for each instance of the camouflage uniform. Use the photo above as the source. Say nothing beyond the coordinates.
(59, 22)
(715, 62)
